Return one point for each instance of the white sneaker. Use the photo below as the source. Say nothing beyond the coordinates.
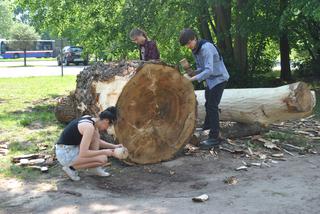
(100, 172)
(72, 174)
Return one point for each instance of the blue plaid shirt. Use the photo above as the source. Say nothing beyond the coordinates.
(210, 66)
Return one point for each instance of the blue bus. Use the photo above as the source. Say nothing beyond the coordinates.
(10, 49)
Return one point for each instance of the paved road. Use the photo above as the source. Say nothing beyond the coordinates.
(36, 68)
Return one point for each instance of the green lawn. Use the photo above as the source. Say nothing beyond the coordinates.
(27, 120)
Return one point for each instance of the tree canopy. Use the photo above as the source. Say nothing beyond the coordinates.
(251, 34)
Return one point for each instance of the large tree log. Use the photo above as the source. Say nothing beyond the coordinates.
(156, 106)
(262, 105)
(157, 114)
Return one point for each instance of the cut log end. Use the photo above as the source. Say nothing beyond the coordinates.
(302, 100)
(157, 113)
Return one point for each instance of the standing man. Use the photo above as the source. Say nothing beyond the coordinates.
(210, 67)
(147, 48)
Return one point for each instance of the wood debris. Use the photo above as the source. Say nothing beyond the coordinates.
(268, 144)
(245, 168)
(255, 164)
(231, 180)
(277, 155)
(40, 162)
(201, 198)
(3, 149)
(293, 148)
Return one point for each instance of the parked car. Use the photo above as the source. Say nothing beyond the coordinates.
(72, 54)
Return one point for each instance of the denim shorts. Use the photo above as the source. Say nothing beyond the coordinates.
(66, 154)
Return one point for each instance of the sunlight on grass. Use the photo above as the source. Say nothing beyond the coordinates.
(27, 120)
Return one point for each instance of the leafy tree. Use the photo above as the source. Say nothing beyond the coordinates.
(6, 18)
(250, 34)
(25, 36)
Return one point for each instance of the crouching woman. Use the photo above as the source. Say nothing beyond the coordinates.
(80, 146)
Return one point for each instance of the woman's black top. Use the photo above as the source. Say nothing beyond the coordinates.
(71, 134)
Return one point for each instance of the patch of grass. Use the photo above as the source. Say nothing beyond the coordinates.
(287, 137)
(27, 120)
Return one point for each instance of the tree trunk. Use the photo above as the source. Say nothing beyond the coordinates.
(262, 105)
(156, 106)
(285, 74)
(240, 43)
(284, 48)
(222, 18)
(203, 20)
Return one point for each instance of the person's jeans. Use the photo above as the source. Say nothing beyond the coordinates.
(213, 97)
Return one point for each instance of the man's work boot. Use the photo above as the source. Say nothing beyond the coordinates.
(210, 143)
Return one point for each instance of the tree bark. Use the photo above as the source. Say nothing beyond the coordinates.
(222, 18)
(203, 20)
(285, 74)
(240, 43)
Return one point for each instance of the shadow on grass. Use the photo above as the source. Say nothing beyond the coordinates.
(39, 115)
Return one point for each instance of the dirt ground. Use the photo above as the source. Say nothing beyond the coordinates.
(291, 186)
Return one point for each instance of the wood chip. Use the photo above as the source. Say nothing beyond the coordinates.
(242, 168)
(286, 151)
(255, 164)
(262, 156)
(277, 155)
(231, 180)
(226, 149)
(38, 161)
(291, 147)
(24, 161)
(3, 151)
(268, 144)
(16, 159)
(201, 198)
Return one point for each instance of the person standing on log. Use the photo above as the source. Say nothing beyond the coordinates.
(210, 67)
(147, 48)
(80, 146)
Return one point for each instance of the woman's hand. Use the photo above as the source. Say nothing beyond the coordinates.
(118, 146)
(108, 152)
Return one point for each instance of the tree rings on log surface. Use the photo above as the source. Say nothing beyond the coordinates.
(156, 114)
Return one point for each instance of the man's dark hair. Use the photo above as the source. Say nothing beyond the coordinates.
(186, 35)
(109, 113)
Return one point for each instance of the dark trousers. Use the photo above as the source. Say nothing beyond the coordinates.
(213, 97)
